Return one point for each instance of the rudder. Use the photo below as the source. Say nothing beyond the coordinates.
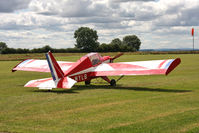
(55, 69)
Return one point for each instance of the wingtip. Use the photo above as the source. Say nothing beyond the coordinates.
(13, 70)
(173, 65)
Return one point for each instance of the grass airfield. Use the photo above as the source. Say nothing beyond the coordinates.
(138, 104)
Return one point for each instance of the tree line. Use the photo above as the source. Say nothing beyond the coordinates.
(86, 41)
(45, 49)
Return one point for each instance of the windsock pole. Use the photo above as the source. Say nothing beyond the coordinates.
(192, 32)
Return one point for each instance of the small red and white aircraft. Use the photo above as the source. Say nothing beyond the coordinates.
(66, 74)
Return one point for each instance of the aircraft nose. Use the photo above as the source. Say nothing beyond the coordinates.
(106, 58)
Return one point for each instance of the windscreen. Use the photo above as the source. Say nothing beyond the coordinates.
(94, 58)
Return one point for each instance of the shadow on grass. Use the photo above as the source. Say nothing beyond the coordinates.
(77, 88)
(58, 91)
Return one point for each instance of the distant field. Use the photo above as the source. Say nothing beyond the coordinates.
(16, 57)
(138, 104)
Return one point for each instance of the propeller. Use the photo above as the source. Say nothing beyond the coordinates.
(115, 57)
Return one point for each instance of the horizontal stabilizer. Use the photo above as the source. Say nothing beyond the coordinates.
(48, 83)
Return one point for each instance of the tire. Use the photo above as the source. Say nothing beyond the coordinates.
(87, 82)
(113, 82)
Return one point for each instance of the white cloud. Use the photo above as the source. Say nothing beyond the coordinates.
(122, 1)
(69, 8)
(13, 5)
(157, 23)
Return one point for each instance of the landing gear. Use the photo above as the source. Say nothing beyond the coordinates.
(87, 82)
(113, 82)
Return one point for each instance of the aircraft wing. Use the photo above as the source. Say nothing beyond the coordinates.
(137, 68)
(39, 65)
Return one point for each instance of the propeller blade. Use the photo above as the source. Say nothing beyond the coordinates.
(115, 57)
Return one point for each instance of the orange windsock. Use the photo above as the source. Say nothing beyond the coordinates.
(192, 32)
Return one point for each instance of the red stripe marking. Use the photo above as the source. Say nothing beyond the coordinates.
(30, 61)
(38, 82)
(139, 72)
(42, 68)
(162, 64)
(33, 69)
(118, 66)
(63, 83)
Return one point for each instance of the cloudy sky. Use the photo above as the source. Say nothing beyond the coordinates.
(158, 23)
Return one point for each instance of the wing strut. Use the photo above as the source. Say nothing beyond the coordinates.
(120, 78)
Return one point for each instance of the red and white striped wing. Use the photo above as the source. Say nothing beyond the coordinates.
(39, 65)
(137, 68)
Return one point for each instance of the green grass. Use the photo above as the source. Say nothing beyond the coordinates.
(139, 104)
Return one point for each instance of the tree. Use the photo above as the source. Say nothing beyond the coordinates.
(116, 41)
(86, 39)
(116, 44)
(3, 46)
(104, 48)
(8, 51)
(133, 42)
(46, 48)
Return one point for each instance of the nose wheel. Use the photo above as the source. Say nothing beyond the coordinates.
(113, 82)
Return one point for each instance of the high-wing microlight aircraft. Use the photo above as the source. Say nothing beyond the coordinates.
(93, 65)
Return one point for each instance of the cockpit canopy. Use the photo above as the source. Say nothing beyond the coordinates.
(95, 58)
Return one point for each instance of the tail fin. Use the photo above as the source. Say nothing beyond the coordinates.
(58, 74)
(55, 69)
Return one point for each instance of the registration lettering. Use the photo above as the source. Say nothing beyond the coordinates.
(81, 77)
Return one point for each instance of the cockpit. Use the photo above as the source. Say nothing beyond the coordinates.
(95, 58)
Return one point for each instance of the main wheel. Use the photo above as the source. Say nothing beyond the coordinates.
(113, 82)
(87, 82)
